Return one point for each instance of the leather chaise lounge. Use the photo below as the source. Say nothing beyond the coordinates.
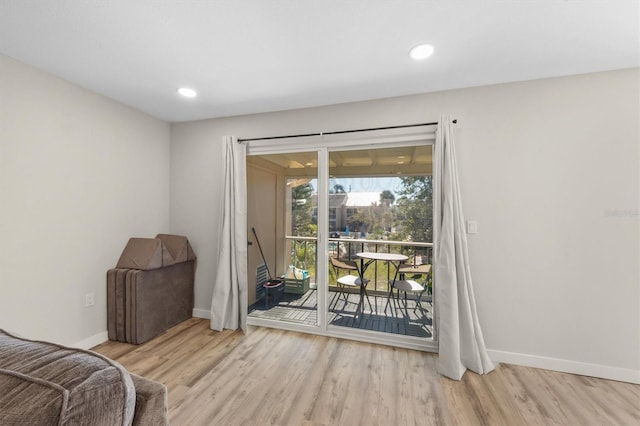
(151, 288)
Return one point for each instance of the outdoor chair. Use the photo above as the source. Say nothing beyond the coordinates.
(348, 280)
(415, 272)
(347, 265)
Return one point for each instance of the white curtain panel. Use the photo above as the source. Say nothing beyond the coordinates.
(460, 340)
(229, 301)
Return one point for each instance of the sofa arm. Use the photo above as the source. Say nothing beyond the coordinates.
(151, 402)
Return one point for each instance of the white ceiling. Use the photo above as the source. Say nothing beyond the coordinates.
(265, 55)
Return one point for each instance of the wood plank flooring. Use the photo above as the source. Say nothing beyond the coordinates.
(275, 377)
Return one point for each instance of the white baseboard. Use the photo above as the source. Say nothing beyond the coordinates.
(201, 313)
(92, 341)
(567, 366)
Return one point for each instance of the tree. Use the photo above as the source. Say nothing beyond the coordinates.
(360, 220)
(387, 198)
(301, 210)
(337, 189)
(415, 209)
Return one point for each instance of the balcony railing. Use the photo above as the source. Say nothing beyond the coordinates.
(302, 254)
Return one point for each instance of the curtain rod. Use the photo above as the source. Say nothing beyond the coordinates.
(338, 132)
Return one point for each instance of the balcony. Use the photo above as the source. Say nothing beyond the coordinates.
(408, 314)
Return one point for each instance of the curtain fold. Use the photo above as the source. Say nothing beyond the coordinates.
(460, 340)
(229, 301)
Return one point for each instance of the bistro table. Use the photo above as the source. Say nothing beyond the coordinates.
(366, 259)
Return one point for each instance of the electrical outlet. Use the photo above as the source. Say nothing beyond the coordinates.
(88, 300)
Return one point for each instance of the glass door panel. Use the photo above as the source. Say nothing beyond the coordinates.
(380, 202)
(281, 207)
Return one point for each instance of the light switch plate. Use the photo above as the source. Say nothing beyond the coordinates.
(472, 227)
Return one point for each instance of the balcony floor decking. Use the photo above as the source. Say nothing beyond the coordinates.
(400, 317)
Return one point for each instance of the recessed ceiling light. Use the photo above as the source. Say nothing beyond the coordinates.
(187, 92)
(421, 52)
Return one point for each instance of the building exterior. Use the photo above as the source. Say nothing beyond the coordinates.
(343, 205)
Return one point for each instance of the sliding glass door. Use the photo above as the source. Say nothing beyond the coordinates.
(316, 206)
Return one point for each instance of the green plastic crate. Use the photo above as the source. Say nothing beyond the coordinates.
(294, 286)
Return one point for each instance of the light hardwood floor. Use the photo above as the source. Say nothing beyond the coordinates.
(285, 378)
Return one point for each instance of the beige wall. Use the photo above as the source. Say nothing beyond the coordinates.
(549, 169)
(79, 175)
